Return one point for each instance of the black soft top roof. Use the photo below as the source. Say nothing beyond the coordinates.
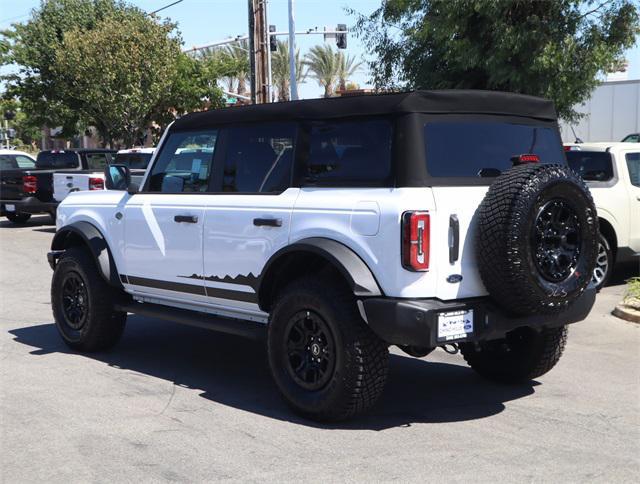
(433, 102)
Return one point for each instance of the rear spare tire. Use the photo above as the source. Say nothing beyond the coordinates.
(537, 238)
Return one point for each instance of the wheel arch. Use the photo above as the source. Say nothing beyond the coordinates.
(79, 234)
(312, 254)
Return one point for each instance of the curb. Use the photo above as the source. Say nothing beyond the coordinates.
(627, 313)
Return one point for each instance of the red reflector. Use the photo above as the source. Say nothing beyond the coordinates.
(96, 184)
(567, 148)
(29, 184)
(415, 241)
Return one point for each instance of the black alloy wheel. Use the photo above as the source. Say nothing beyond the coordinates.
(74, 301)
(311, 355)
(556, 240)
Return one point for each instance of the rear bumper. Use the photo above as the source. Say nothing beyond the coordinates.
(414, 322)
(28, 205)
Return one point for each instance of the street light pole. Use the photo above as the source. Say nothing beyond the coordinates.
(292, 52)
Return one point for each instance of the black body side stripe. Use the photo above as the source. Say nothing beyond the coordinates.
(193, 289)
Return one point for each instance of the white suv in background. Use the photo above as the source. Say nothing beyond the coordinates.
(612, 172)
(338, 227)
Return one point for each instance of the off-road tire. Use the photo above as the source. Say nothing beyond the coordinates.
(523, 355)
(605, 267)
(101, 326)
(18, 217)
(361, 358)
(508, 254)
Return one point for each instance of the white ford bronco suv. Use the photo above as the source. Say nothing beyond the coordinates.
(339, 227)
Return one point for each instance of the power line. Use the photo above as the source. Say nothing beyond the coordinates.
(14, 18)
(166, 6)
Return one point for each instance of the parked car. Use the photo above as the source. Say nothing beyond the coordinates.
(338, 227)
(612, 172)
(27, 192)
(137, 159)
(632, 138)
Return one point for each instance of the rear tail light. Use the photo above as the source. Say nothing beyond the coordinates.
(96, 184)
(415, 241)
(29, 184)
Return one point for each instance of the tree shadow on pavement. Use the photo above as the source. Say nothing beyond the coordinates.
(234, 372)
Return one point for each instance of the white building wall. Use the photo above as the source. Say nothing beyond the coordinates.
(612, 112)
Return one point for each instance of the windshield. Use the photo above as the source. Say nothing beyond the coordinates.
(134, 160)
(57, 159)
(591, 165)
(472, 149)
(16, 162)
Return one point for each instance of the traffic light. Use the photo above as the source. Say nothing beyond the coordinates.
(273, 41)
(341, 36)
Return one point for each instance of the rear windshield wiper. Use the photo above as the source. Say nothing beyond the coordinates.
(489, 172)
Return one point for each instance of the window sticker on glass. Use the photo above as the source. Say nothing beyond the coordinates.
(196, 163)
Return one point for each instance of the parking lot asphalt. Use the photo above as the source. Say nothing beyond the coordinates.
(175, 403)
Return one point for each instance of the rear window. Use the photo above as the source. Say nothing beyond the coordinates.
(135, 161)
(16, 162)
(97, 161)
(591, 165)
(60, 159)
(485, 149)
(350, 153)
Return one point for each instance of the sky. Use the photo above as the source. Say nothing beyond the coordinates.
(206, 21)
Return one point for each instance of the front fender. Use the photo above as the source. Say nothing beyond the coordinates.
(87, 234)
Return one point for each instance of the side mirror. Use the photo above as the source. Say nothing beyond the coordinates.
(117, 177)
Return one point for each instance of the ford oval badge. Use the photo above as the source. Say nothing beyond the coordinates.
(454, 278)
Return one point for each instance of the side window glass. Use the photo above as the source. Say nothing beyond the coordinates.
(350, 153)
(96, 161)
(184, 164)
(259, 158)
(633, 164)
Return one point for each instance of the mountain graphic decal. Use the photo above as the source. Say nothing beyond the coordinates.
(248, 280)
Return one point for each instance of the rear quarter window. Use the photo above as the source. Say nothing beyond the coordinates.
(349, 153)
(633, 165)
(485, 149)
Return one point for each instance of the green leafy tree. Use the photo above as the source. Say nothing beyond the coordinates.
(322, 62)
(27, 131)
(554, 49)
(280, 71)
(32, 46)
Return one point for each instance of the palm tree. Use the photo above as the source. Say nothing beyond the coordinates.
(322, 62)
(280, 69)
(238, 52)
(347, 66)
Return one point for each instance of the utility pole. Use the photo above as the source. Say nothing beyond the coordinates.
(292, 53)
(259, 51)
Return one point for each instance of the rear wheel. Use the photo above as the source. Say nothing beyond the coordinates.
(604, 263)
(325, 360)
(522, 355)
(83, 304)
(18, 218)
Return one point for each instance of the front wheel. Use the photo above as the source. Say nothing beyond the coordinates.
(325, 360)
(18, 218)
(83, 303)
(524, 354)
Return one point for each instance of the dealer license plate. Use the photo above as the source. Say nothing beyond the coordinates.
(455, 325)
(10, 208)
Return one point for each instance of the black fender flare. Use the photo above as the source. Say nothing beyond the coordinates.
(355, 271)
(91, 236)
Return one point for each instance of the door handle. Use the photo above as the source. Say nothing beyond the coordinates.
(189, 219)
(267, 222)
(454, 238)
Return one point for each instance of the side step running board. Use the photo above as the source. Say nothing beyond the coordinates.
(246, 329)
